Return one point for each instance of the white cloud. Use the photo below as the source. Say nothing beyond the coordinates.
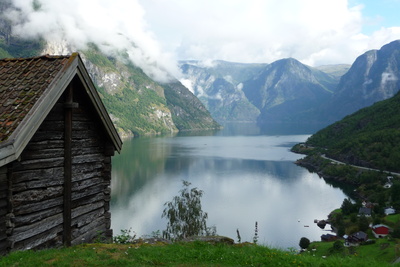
(112, 24)
(315, 32)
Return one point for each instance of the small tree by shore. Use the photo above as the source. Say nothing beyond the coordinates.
(185, 215)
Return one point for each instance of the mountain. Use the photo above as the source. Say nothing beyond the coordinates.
(286, 90)
(137, 104)
(283, 91)
(219, 84)
(369, 137)
(374, 76)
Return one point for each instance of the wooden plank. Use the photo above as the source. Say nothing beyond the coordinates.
(27, 231)
(36, 195)
(94, 226)
(83, 184)
(42, 153)
(38, 174)
(87, 171)
(39, 240)
(47, 135)
(87, 192)
(87, 200)
(89, 235)
(38, 164)
(79, 211)
(50, 144)
(77, 151)
(37, 216)
(88, 158)
(37, 206)
(86, 142)
(88, 217)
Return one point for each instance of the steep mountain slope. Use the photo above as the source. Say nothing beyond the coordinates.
(374, 76)
(137, 104)
(219, 86)
(287, 90)
(370, 137)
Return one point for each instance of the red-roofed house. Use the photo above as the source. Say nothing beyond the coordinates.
(56, 143)
(380, 230)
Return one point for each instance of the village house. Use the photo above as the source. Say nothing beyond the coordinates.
(364, 211)
(56, 144)
(380, 230)
(389, 211)
(357, 237)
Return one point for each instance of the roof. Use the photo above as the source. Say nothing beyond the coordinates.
(365, 211)
(29, 88)
(379, 226)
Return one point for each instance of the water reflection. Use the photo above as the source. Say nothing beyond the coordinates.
(245, 179)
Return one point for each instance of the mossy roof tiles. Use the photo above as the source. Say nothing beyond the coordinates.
(29, 88)
(22, 83)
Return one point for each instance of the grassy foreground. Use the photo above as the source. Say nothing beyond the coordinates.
(178, 254)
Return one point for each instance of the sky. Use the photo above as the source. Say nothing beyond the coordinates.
(158, 33)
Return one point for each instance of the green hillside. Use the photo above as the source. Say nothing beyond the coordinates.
(370, 137)
(137, 104)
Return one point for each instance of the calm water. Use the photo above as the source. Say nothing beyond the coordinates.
(247, 175)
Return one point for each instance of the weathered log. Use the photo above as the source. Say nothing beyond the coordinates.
(37, 206)
(38, 240)
(87, 192)
(87, 158)
(88, 236)
(23, 176)
(49, 144)
(83, 184)
(37, 195)
(78, 232)
(87, 218)
(42, 153)
(87, 200)
(37, 216)
(86, 209)
(27, 231)
(38, 164)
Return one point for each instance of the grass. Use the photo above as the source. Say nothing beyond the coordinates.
(185, 254)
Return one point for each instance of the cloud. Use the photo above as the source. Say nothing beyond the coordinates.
(111, 24)
(315, 32)
(156, 33)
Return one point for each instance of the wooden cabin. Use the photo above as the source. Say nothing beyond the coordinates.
(56, 144)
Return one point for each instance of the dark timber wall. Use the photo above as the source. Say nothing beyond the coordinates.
(43, 207)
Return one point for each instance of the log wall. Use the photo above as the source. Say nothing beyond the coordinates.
(32, 188)
(3, 209)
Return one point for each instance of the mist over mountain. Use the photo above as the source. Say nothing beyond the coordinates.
(374, 76)
(287, 91)
(137, 103)
(219, 84)
(284, 91)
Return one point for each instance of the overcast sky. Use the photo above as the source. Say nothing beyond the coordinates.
(316, 32)
(313, 31)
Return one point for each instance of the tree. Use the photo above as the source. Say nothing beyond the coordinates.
(186, 218)
(363, 223)
(304, 242)
(347, 206)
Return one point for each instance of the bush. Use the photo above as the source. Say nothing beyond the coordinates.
(304, 242)
(186, 218)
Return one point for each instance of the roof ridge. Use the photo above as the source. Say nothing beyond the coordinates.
(48, 56)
